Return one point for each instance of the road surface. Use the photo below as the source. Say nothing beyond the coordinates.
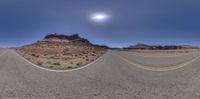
(114, 76)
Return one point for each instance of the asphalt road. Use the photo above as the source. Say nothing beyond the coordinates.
(111, 77)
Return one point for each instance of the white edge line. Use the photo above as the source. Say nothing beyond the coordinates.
(70, 70)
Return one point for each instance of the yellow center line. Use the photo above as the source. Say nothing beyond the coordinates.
(160, 55)
(160, 69)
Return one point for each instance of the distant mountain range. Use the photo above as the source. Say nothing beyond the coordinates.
(161, 47)
(67, 40)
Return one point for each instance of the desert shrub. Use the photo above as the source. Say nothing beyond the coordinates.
(86, 59)
(39, 62)
(67, 58)
(77, 64)
(57, 63)
(51, 66)
(93, 54)
(49, 62)
(79, 57)
(34, 55)
(66, 53)
(69, 67)
(84, 52)
(66, 49)
(52, 57)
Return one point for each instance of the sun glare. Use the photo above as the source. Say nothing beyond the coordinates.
(99, 17)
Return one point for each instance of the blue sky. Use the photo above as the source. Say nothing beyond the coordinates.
(131, 21)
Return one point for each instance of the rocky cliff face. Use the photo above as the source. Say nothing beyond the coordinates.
(58, 44)
(65, 38)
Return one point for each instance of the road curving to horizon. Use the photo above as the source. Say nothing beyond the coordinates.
(110, 77)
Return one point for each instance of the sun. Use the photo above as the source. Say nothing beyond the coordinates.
(99, 17)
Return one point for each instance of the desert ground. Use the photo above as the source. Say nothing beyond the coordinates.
(164, 53)
(61, 53)
(63, 61)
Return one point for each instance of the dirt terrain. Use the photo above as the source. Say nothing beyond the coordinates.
(164, 51)
(174, 52)
(57, 51)
(161, 50)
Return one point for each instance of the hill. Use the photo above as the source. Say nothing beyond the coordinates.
(59, 51)
(161, 47)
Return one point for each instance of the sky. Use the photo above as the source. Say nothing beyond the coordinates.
(166, 22)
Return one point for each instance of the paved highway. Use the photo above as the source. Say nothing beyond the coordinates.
(114, 76)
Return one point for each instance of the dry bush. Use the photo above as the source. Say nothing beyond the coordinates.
(34, 55)
(67, 58)
(52, 57)
(51, 66)
(77, 64)
(39, 62)
(71, 63)
(66, 54)
(84, 52)
(57, 63)
(69, 67)
(93, 54)
(49, 62)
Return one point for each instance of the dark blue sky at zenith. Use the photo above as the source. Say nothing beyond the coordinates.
(131, 21)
